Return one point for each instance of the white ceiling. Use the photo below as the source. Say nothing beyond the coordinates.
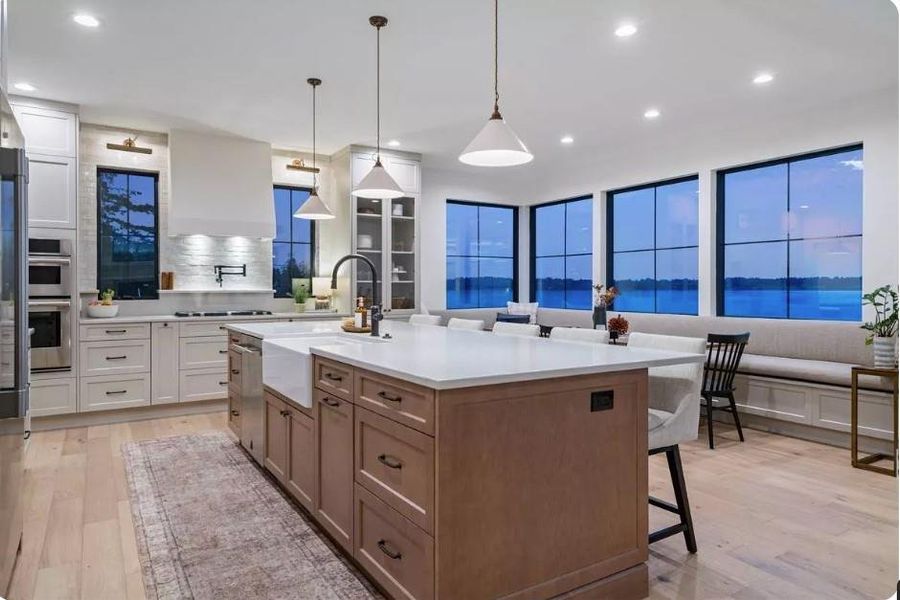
(241, 67)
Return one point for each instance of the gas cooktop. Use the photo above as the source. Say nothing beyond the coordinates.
(221, 313)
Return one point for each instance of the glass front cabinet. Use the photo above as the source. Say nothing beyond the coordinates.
(387, 232)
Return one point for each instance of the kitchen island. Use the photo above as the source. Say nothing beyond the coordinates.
(460, 464)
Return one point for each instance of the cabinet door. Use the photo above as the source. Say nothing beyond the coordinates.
(301, 480)
(48, 131)
(53, 397)
(276, 437)
(334, 467)
(52, 191)
(400, 284)
(164, 363)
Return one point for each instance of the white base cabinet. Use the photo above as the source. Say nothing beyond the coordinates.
(105, 392)
(203, 384)
(53, 397)
(164, 363)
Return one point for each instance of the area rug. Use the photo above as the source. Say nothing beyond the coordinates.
(211, 525)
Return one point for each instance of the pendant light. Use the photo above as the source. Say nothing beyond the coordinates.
(378, 183)
(314, 207)
(496, 145)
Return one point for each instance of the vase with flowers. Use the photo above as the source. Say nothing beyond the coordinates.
(883, 330)
(603, 300)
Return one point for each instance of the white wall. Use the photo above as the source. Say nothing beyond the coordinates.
(438, 185)
(709, 147)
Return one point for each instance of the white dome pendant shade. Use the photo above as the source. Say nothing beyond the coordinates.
(496, 145)
(314, 208)
(378, 183)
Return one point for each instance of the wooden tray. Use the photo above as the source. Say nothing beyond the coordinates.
(350, 329)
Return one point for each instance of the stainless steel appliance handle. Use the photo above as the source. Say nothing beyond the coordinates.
(63, 303)
(49, 261)
(246, 349)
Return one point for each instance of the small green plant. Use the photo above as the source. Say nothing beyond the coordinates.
(300, 294)
(884, 301)
(106, 297)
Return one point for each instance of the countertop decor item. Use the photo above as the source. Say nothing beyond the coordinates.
(603, 300)
(104, 307)
(496, 145)
(618, 326)
(378, 183)
(883, 330)
(167, 280)
(314, 208)
(349, 326)
(300, 297)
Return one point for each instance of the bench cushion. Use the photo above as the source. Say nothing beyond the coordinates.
(812, 371)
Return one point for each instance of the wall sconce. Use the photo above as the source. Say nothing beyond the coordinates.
(297, 165)
(128, 145)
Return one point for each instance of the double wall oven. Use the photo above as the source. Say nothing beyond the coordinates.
(50, 303)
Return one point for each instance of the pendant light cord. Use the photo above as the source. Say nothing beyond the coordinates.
(378, 94)
(496, 114)
(315, 179)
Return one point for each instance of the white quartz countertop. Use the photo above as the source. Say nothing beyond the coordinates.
(442, 358)
(285, 329)
(304, 316)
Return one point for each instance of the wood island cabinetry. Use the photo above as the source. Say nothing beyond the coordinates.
(533, 489)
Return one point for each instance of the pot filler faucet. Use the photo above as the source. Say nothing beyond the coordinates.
(375, 309)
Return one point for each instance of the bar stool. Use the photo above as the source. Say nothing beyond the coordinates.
(425, 319)
(520, 329)
(470, 324)
(579, 334)
(673, 417)
(723, 356)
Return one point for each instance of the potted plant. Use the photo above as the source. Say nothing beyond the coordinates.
(300, 298)
(883, 330)
(618, 326)
(603, 300)
(104, 307)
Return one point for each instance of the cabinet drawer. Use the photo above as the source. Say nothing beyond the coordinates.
(391, 549)
(234, 410)
(203, 329)
(400, 401)
(203, 353)
(333, 378)
(234, 369)
(112, 391)
(130, 331)
(53, 397)
(202, 384)
(115, 358)
(396, 464)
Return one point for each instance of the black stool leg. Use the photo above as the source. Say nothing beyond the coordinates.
(737, 419)
(709, 421)
(681, 500)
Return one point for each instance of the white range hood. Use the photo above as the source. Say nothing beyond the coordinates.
(220, 186)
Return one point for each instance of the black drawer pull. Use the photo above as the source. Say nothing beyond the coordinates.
(223, 383)
(382, 545)
(223, 351)
(116, 392)
(221, 328)
(389, 397)
(235, 413)
(111, 331)
(235, 372)
(390, 461)
(333, 377)
(285, 413)
(330, 401)
(123, 357)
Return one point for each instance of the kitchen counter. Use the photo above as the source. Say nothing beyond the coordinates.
(311, 316)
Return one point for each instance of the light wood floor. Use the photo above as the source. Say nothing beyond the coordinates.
(775, 518)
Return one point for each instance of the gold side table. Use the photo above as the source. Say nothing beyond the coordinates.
(866, 462)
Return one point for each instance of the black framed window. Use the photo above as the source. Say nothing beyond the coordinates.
(482, 253)
(652, 246)
(128, 233)
(562, 253)
(293, 249)
(790, 237)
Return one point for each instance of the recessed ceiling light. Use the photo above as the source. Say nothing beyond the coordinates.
(651, 113)
(626, 30)
(566, 139)
(394, 143)
(763, 78)
(24, 86)
(86, 20)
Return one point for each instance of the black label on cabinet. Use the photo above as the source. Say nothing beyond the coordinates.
(601, 400)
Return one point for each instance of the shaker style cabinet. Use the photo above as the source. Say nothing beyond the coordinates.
(334, 452)
(290, 444)
(164, 363)
(51, 145)
(386, 232)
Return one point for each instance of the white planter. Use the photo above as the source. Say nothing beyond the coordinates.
(885, 351)
(102, 311)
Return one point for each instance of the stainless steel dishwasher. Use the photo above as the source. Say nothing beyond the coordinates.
(253, 407)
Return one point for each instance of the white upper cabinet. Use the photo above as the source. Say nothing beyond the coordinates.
(47, 131)
(52, 191)
(404, 171)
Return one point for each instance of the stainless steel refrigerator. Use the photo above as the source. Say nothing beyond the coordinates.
(14, 336)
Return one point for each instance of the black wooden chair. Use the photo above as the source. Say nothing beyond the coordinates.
(722, 360)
